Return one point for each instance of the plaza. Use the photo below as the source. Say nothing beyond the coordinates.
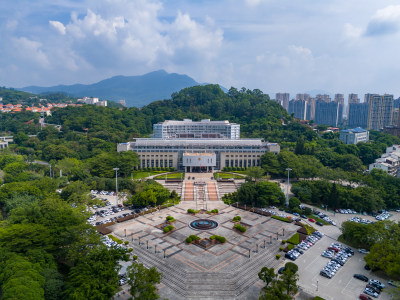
(221, 271)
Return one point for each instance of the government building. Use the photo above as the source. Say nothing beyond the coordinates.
(202, 146)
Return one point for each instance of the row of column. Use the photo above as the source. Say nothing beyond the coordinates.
(242, 163)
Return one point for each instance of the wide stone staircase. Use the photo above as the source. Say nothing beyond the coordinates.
(208, 285)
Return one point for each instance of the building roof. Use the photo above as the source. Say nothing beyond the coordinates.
(354, 130)
(189, 142)
(189, 122)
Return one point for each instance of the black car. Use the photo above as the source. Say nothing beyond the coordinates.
(304, 216)
(281, 270)
(366, 267)
(374, 288)
(319, 223)
(361, 277)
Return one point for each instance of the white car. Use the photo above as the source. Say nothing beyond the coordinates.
(363, 251)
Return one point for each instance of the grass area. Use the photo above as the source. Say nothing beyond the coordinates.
(295, 239)
(281, 219)
(223, 175)
(144, 174)
(177, 175)
(318, 219)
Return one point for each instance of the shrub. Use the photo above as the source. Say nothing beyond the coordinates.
(283, 242)
(126, 242)
(295, 239)
(214, 211)
(278, 256)
(194, 237)
(130, 249)
(237, 219)
(135, 256)
(189, 240)
(290, 246)
(117, 240)
(240, 228)
(318, 298)
(281, 219)
(192, 211)
(168, 228)
(281, 248)
(170, 219)
(219, 238)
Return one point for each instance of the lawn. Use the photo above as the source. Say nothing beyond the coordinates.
(144, 174)
(177, 175)
(222, 175)
(318, 219)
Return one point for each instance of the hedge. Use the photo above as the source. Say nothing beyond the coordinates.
(295, 239)
(192, 211)
(214, 211)
(278, 256)
(220, 239)
(168, 228)
(170, 219)
(194, 237)
(281, 219)
(117, 240)
(237, 219)
(290, 246)
(240, 227)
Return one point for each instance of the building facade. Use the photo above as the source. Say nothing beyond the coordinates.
(357, 115)
(205, 129)
(193, 150)
(298, 108)
(380, 110)
(389, 161)
(328, 113)
(354, 136)
(283, 99)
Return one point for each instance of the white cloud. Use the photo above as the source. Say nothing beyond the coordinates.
(58, 26)
(31, 51)
(352, 31)
(300, 50)
(252, 2)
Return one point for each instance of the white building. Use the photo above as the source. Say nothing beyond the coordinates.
(354, 136)
(205, 129)
(198, 147)
(389, 161)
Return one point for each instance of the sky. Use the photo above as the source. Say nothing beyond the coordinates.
(337, 46)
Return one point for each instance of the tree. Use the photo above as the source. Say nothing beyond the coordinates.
(288, 280)
(294, 203)
(291, 266)
(255, 173)
(267, 275)
(142, 281)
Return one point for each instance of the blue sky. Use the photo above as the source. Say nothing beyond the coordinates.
(339, 46)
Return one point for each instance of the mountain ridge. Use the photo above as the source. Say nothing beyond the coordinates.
(138, 90)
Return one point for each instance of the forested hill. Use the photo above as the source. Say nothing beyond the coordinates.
(258, 116)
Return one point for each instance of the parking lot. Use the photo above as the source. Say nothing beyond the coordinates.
(342, 286)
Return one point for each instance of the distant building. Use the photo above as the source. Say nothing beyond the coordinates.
(122, 102)
(354, 136)
(357, 115)
(328, 113)
(283, 99)
(298, 108)
(379, 111)
(304, 97)
(101, 103)
(389, 161)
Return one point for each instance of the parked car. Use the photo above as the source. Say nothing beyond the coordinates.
(393, 283)
(377, 283)
(365, 297)
(281, 270)
(371, 292)
(311, 220)
(319, 223)
(363, 251)
(361, 277)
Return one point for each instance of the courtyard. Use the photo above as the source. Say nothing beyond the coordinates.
(220, 271)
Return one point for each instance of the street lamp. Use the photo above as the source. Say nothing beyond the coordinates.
(287, 187)
(116, 183)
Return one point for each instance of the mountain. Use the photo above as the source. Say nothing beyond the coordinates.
(135, 90)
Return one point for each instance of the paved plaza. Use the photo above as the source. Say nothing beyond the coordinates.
(223, 271)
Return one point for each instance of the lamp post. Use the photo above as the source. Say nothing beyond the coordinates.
(287, 186)
(116, 183)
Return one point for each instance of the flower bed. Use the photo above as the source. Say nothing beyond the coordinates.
(281, 219)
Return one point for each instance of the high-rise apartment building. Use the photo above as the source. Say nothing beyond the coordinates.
(380, 110)
(283, 99)
(304, 97)
(299, 108)
(357, 115)
(328, 113)
(339, 98)
(324, 97)
(353, 98)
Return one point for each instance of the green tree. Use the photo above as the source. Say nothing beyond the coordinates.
(288, 280)
(294, 202)
(267, 275)
(142, 281)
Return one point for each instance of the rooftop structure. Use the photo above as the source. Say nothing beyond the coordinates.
(205, 129)
(389, 161)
